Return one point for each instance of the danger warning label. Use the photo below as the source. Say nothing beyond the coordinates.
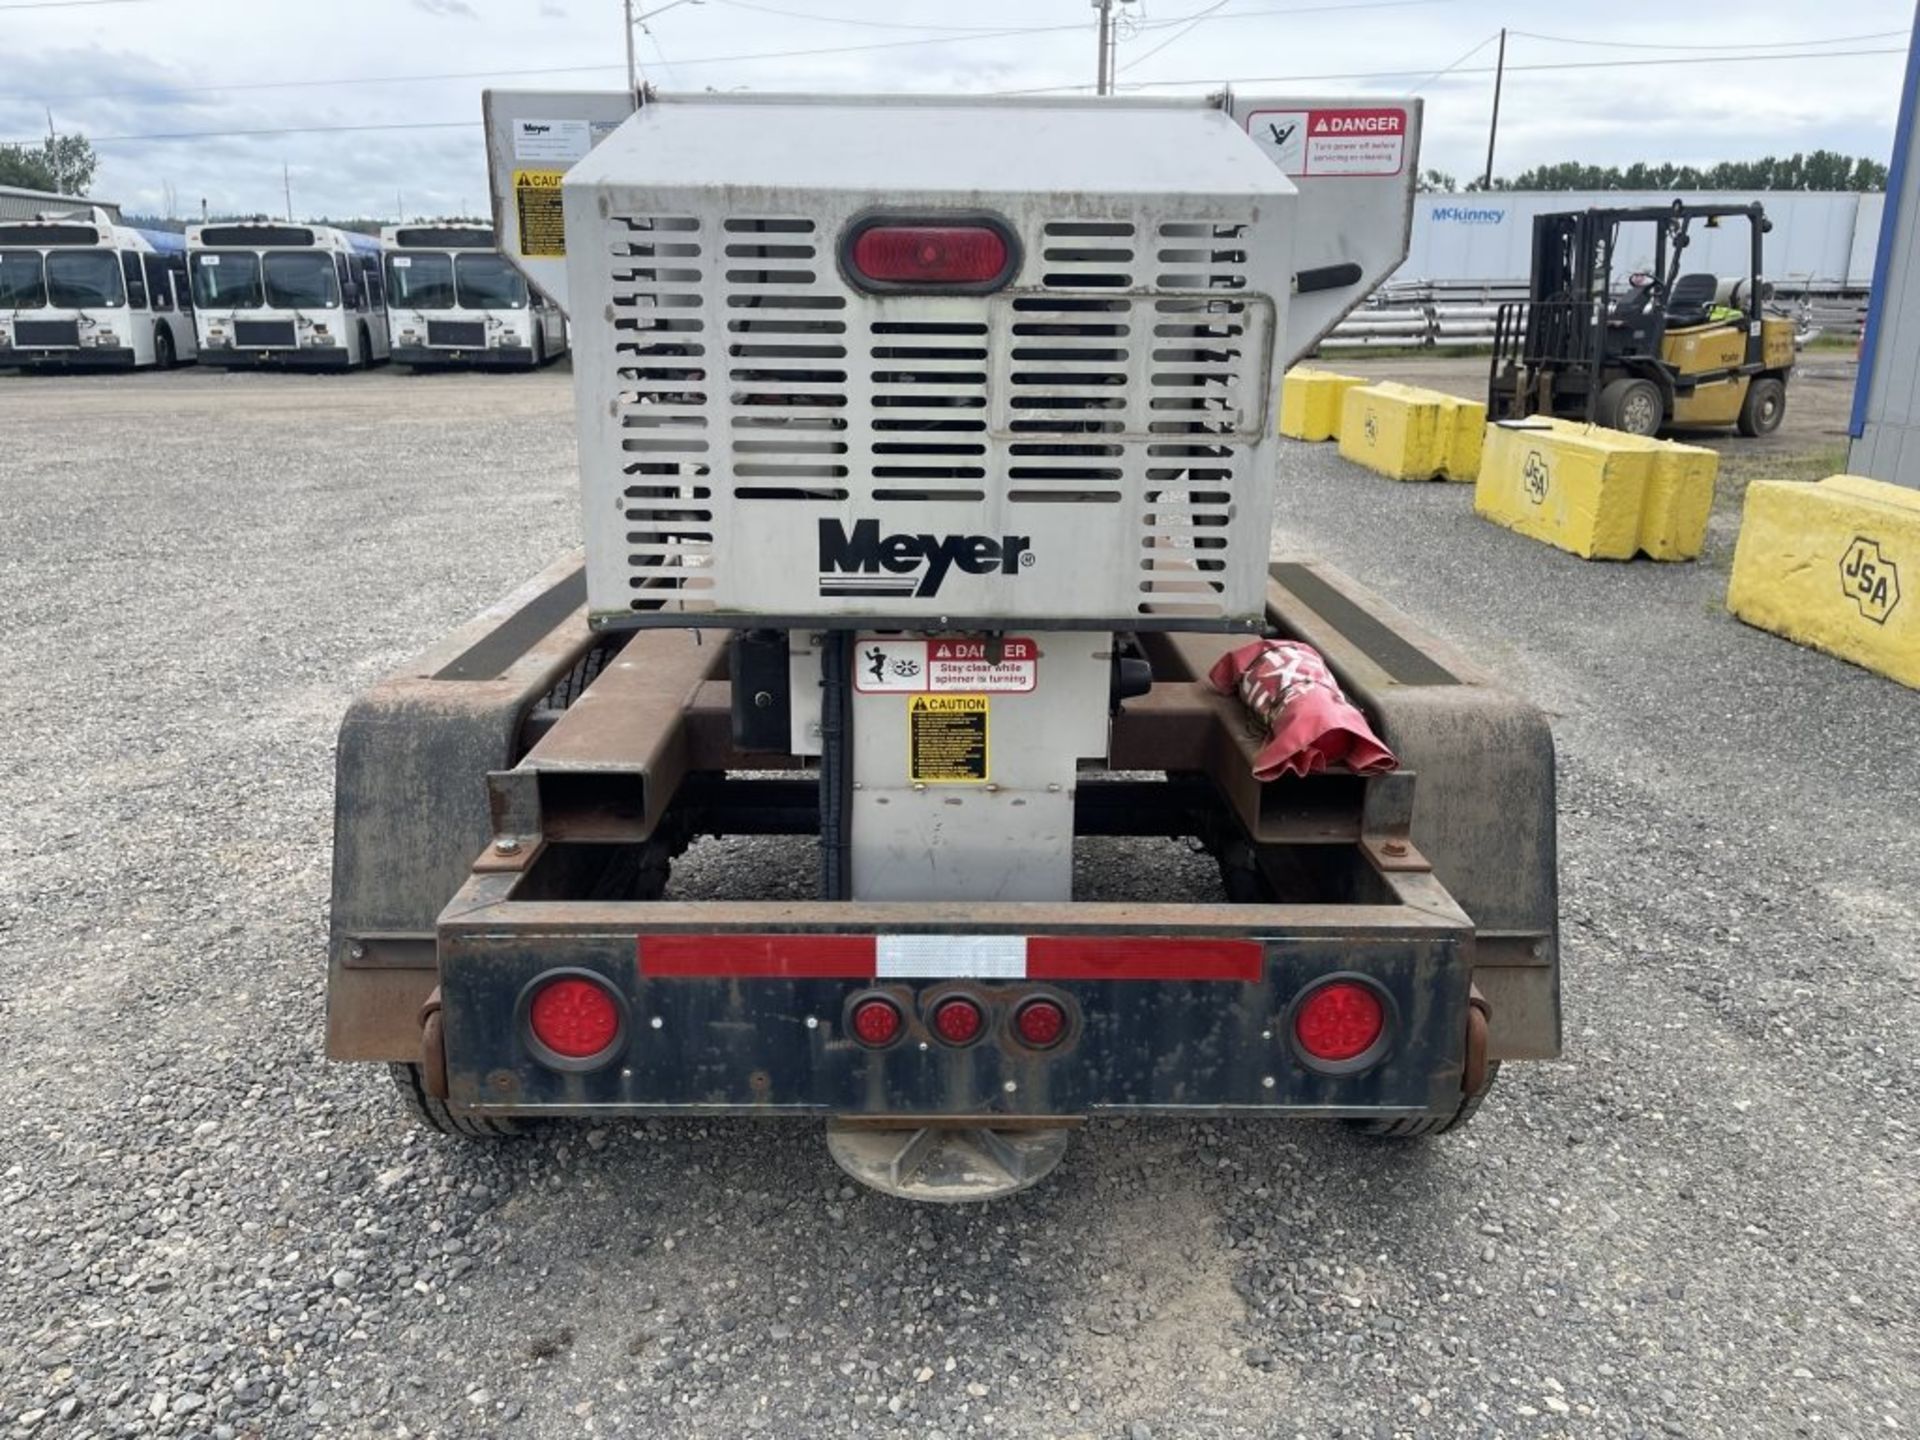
(909, 667)
(1333, 142)
(536, 203)
(947, 739)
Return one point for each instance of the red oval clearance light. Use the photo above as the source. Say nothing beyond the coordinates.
(876, 1022)
(907, 256)
(1040, 1024)
(1340, 1020)
(573, 1017)
(957, 1021)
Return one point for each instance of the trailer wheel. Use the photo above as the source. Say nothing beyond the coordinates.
(1431, 1124)
(163, 356)
(1633, 406)
(438, 1115)
(1765, 406)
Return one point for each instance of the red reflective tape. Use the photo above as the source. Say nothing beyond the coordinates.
(800, 957)
(1136, 957)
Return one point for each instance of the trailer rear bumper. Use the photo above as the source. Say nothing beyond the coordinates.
(745, 1009)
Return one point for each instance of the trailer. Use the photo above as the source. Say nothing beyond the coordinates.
(928, 453)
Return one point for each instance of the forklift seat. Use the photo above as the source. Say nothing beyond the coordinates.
(1692, 300)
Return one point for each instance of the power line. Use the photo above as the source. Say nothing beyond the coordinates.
(1715, 49)
(258, 85)
(64, 4)
(1448, 69)
(1217, 80)
(1181, 33)
(273, 130)
(867, 24)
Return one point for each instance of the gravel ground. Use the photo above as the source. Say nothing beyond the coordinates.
(1700, 1223)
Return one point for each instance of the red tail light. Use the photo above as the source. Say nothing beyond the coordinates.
(1339, 1021)
(574, 1017)
(888, 255)
(876, 1022)
(1040, 1024)
(957, 1021)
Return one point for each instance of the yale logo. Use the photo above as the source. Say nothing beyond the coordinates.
(1536, 475)
(1870, 579)
(869, 563)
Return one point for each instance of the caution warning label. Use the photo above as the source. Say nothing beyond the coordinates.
(1371, 141)
(947, 739)
(1009, 665)
(536, 201)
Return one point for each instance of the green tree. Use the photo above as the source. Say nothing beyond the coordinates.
(60, 162)
(1437, 182)
(1821, 170)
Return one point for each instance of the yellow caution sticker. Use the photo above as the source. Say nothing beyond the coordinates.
(947, 739)
(536, 201)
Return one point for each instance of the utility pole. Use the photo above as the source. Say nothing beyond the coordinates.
(1493, 126)
(1103, 77)
(53, 155)
(286, 185)
(633, 74)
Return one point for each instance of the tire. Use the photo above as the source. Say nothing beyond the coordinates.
(366, 347)
(1632, 406)
(539, 347)
(163, 355)
(1425, 1125)
(438, 1115)
(1765, 406)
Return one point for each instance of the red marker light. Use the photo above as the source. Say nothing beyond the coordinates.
(1040, 1024)
(876, 1022)
(957, 1022)
(931, 255)
(573, 1017)
(1339, 1021)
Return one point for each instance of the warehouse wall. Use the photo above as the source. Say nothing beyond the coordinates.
(1825, 239)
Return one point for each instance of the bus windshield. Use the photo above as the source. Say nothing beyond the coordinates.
(301, 280)
(82, 279)
(421, 281)
(23, 284)
(229, 280)
(488, 282)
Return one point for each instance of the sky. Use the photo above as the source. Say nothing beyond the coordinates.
(1607, 83)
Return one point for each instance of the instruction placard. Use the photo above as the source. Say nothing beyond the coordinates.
(1371, 141)
(907, 667)
(551, 139)
(947, 739)
(536, 201)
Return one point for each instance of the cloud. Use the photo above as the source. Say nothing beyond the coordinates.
(553, 11)
(447, 7)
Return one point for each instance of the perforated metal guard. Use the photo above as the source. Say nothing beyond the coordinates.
(1100, 427)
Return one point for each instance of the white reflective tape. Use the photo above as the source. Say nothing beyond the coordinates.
(950, 957)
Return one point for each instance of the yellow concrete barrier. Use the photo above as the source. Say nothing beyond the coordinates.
(1407, 433)
(1825, 565)
(1310, 402)
(1597, 493)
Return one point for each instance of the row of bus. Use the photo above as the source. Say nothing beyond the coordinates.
(89, 292)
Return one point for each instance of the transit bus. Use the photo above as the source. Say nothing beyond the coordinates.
(453, 299)
(274, 294)
(92, 292)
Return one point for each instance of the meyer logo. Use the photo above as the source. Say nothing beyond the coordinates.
(869, 563)
(1466, 215)
(1870, 579)
(535, 127)
(1536, 475)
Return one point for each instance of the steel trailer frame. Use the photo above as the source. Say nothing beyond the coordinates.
(507, 805)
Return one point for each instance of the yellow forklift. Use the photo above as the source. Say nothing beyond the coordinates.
(1666, 350)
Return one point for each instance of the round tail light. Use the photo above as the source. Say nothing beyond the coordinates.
(1339, 1021)
(902, 255)
(574, 1017)
(1040, 1024)
(876, 1022)
(958, 1021)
